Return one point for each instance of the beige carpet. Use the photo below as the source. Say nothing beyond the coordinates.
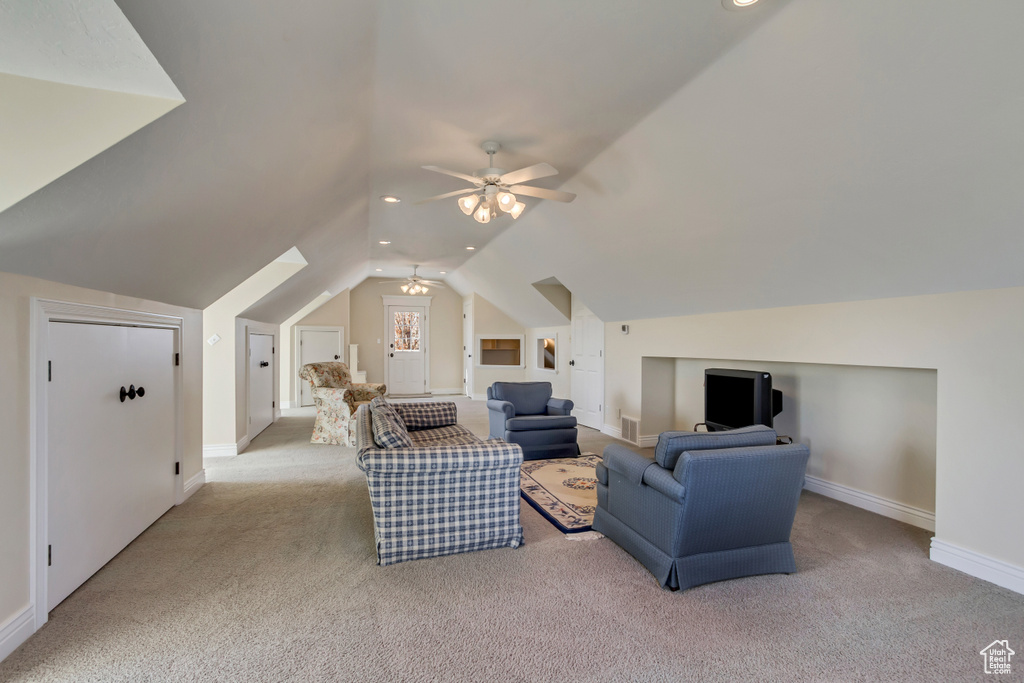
(268, 574)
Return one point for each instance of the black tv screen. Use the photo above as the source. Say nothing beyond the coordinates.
(739, 398)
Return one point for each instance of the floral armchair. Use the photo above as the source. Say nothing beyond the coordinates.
(336, 399)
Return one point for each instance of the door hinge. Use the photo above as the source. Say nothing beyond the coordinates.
(177, 467)
(177, 359)
(273, 349)
(49, 556)
(273, 404)
(49, 371)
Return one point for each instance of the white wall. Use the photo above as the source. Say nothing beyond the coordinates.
(15, 293)
(869, 428)
(974, 340)
(489, 320)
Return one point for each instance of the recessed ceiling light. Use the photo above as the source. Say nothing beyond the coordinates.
(470, 248)
(385, 242)
(444, 272)
(391, 199)
(379, 270)
(737, 4)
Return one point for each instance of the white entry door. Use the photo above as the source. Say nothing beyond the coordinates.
(110, 460)
(261, 382)
(407, 350)
(467, 348)
(317, 346)
(587, 367)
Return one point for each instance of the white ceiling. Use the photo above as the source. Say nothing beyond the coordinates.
(799, 152)
(298, 118)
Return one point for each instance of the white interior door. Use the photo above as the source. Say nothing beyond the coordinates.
(318, 346)
(407, 350)
(467, 348)
(261, 382)
(587, 367)
(110, 463)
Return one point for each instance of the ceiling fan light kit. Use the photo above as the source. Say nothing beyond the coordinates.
(493, 191)
(414, 284)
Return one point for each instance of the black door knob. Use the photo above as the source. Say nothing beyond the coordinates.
(337, 357)
(392, 355)
(572, 362)
(124, 394)
(140, 392)
(264, 363)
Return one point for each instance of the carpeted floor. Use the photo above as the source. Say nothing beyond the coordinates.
(268, 574)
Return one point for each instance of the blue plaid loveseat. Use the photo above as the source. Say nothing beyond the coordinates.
(449, 492)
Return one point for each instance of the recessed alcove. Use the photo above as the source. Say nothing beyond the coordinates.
(871, 430)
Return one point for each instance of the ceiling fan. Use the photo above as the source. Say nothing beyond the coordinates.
(414, 284)
(494, 191)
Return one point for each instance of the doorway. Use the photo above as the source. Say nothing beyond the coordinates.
(261, 382)
(317, 345)
(587, 366)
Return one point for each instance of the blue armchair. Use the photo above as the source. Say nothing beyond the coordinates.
(709, 507)
(524, 413)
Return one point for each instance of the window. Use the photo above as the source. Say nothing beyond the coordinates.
(546, 353)
(501, 351)
(407, 331)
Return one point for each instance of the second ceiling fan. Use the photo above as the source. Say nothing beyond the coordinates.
(494, 191)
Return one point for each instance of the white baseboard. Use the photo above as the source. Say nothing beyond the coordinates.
(648, 441)
(285, 405)
(16, 631)
(977, 565)
(612, 432)
(220, 450)
(447, 392)
(869, 501)
(277, 414)
(243, 444)
(194, 483)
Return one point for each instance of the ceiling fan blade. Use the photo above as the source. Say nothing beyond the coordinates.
(542, 193)
(456, 174)
(448, 194)
(525, 175)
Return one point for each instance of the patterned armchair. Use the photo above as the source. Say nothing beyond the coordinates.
(336, 399)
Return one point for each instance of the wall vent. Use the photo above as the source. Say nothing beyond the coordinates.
(631, 430)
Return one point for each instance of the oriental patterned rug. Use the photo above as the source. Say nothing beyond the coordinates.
(564, 490)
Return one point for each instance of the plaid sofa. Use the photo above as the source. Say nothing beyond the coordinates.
(450, 492)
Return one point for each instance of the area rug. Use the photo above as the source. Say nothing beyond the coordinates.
(564, 490)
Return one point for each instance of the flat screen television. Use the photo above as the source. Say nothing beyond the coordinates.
(739, 398)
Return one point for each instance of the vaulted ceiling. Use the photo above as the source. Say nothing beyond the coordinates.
(797, 152)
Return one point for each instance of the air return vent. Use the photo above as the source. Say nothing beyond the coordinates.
(631, 430)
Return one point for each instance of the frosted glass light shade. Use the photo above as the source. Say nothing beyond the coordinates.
(506, 200)
(483, 214)
(467, 204)
(516, 209)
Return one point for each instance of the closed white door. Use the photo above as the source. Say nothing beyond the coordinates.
(587, 367)
(318, 346)
(261, 382)
(110, 460)
(467, 348)
(407, 350)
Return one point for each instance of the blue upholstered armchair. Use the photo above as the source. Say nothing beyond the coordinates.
(709, 507)
(524, 413)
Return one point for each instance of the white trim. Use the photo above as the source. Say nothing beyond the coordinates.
(869, 501)
(242, 444)
(220, 450)
(648, 441)
(41, 313)
(287, 405)
(194, 483)
(16, 631)
(613, 432)
(447, 392)
(977, 565)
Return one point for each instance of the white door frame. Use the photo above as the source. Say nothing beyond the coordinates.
(467, 346)
(297, 352)
(252, 328)
(417, 301)
(42, 312)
